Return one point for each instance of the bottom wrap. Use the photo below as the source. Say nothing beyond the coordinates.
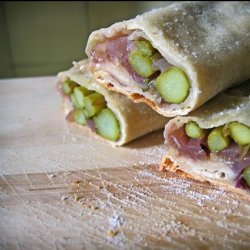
(212, 143)
(109, 114)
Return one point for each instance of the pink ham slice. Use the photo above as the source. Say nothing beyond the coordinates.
(69, 117)
(118, 49)
(193, 148)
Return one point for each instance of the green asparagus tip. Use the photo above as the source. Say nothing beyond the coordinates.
(217, 141)
(173, 85)
(74, 101)
(107, 125)
(79, 116)
(193, 130)
(246, 175)
(141, 64)
(68, 86)
(80, 93)
(145, 47)
(94, 103)
(240, 133)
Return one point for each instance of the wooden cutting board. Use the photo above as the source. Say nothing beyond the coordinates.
(61, 188)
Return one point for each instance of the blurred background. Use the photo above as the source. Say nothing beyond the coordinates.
(42, 38)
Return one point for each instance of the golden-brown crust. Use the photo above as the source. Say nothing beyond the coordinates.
(135, 97)
(168, 165)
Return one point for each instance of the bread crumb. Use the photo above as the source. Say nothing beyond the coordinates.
(112, 233)
(76, 197)
(75, 181)
(93, 208)
(64, 198)
(52, 176)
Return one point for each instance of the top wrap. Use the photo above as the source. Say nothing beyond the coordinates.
(209, 41)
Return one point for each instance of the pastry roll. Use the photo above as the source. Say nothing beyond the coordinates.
(212, 143)
(109, 114)
(175, 58)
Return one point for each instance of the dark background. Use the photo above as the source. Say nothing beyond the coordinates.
(42, 38)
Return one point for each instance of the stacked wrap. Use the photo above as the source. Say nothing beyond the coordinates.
(207, 44)
(192, 157)
(209, 41)
(131, 116)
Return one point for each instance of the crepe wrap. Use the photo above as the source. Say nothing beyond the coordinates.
(209, 41)
(232, 105)
(135, 120)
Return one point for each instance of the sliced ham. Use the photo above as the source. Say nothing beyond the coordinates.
(193, 148)
(69, 117)
(117, 51)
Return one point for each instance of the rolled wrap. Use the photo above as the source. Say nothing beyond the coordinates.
(209, 41)
(135, 120)
(232, 105)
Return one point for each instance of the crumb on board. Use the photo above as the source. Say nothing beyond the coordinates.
(94, 208)
(77, 197)
(64, 198)
(52, 176)
(75, 181)
(112, 233)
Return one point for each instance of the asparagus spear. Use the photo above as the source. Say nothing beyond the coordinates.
(173, 85)
(193, 130)
(79, 116)
(240, 133)
(216, 140)
(74, 101)
(94, 103)
(86, 113)
(141, 64)
(80, 92)
(246, 175)
(145, 47)
(107, 125)
(68, 86)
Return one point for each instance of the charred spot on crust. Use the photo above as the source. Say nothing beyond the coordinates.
(110, 85)
(137, 97)
(140, 98)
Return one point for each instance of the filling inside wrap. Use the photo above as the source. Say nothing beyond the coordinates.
(213, 142)
(176, 58)
(111, 115)
(147, 70)
(225, 147)
(88, 107)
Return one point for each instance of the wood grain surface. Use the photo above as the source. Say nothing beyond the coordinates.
(62, 188)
